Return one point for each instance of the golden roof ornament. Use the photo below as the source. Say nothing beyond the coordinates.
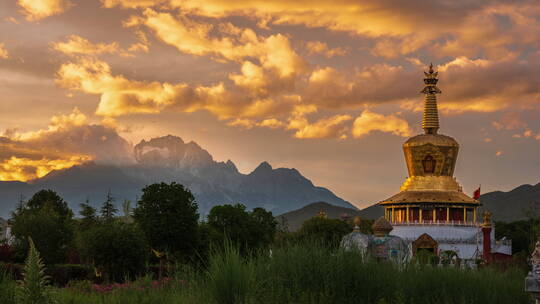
(381, 227)
(356, 223)
(430, 121)
(487, 219)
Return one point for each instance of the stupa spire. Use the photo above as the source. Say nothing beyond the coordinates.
(430, 121)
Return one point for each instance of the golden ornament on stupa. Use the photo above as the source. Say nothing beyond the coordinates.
(430, 193)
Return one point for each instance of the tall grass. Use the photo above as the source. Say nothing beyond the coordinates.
(231, 278)
(7, 287)
(314, 274)
(309, 273)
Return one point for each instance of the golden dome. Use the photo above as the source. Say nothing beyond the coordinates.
(381, 227)
(431, 159)
(434, 139)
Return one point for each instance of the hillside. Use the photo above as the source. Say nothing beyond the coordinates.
(512, 205)
(294, 219)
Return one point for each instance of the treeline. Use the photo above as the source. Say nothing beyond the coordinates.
(163, 226)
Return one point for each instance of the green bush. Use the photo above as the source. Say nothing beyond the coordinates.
(48, 221)
(59, 274)
(248, 230)
(117, 249)
(324, 231)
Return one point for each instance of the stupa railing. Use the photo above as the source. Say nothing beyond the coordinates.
(436, 223)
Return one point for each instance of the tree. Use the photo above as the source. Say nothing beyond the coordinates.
(167, 214)
(324, 230)
(51, 199)
(115, 248)
(108, 210)
(249, 230)
(89, 217)
(48, 221)
(265, 225)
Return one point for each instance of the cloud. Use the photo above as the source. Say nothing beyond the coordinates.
(3, 52)
(271, 123)
(236, 44)
(67, 141)
(452, 28)
(324, 128)
(77, 45)
(132, 3)
(369, 121)
(38, 9)
(375, 84)
(509, 121)
(121, 96)
(24, 169)
(318, 47)
(245, 123)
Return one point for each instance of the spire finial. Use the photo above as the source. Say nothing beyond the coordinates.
(430, 122)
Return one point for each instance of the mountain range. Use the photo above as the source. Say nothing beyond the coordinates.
(167, 159)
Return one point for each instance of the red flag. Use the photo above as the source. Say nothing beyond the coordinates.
(476, 194)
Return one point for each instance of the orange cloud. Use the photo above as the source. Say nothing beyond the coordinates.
(369, 121)
(67, 141)
(38, 9)
(509, 121)
(330, 88)
(3, 52)
(324, 128)
(24, 169)
(121, 96)
(132, 3)
(318, 47)
(77, 45)
(235, 44)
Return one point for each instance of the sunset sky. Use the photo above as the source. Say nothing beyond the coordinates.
(328, 87)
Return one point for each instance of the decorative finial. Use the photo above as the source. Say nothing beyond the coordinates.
(356, 223)
(487, 219)
(430, 122)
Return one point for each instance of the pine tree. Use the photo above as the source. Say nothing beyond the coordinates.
(33, 288)
(108, 209)
(88, 214)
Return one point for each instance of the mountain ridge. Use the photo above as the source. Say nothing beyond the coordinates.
(168, 159)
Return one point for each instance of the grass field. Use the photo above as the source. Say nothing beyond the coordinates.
(301, 274)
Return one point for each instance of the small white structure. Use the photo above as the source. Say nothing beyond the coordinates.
(465, 240)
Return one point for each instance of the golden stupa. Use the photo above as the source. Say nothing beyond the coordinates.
(431, 194)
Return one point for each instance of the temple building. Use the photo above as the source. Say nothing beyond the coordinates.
(431, 212)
